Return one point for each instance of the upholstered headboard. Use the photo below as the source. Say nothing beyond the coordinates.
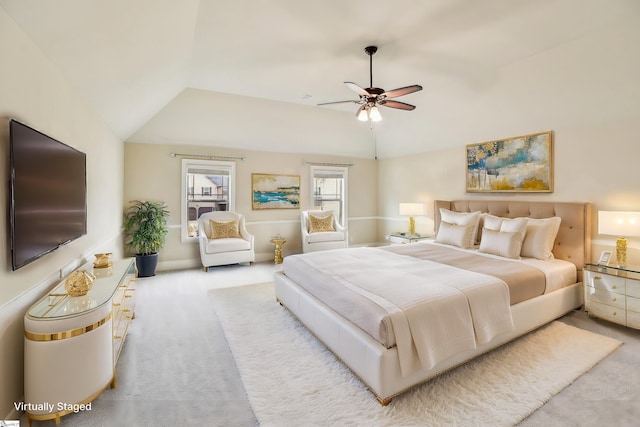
(573, 242)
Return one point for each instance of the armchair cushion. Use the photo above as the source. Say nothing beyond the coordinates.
(221, 245)
(326, 236)
(321, 224)
(224, 230)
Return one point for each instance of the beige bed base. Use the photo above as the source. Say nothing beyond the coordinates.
(378, 367)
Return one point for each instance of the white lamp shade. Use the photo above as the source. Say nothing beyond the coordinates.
(616, 223)
(374, 114)
(362, 115)
(411, 209)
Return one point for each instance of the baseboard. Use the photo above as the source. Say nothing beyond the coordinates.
(185, 264)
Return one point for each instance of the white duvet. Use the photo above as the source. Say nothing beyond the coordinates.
(436, 310)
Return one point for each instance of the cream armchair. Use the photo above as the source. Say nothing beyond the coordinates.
(228, 242)
(314, 240)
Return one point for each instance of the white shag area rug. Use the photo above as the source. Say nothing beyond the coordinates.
(292, 379)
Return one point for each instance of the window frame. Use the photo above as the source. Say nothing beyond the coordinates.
(339, 170)
(217, 165)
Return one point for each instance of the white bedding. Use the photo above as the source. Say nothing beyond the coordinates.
(435, 310)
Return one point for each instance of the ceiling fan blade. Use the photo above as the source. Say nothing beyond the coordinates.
(357, 89)
(397, 104)
(340, 102)
(402, 91)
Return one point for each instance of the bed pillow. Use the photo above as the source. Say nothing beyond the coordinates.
(462, 218)
(540, 237)
(498, 223)
(508, 241)
(503, 243)
(320, 224)
(455, 235)
(224, 230)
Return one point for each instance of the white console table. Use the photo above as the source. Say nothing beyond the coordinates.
(72, 344)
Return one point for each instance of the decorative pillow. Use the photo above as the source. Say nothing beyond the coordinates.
(224, 230)
(540, 237)
(502, 243)
(462, 218)
(454, 234)
(319, 224)
(497, 223)
(491, 222)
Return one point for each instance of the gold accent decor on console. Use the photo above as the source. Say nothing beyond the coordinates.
(79, 283)
(621, 224)
(102, 260)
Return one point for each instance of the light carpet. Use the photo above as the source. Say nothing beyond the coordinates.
(292, 379)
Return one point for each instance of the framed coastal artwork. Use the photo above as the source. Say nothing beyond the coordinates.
(518, 164)
(275, 191)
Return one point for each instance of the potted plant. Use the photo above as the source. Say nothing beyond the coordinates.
(145, 229)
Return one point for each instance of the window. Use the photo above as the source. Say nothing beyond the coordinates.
(329, 190)
(207, 186)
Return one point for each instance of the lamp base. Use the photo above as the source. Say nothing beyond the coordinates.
(412, 226)
(621, 252)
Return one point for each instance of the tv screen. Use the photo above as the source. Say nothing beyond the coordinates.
(48, 188)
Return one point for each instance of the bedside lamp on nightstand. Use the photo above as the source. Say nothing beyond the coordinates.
(411, 209)
(621, 224)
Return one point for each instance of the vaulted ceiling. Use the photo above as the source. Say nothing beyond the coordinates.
(182, 71)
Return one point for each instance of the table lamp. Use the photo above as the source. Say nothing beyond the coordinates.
(621, 224)
(411, 209)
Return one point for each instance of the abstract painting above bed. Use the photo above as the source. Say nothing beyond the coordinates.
(516, 164)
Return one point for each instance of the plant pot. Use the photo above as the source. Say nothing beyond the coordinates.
(146, 264)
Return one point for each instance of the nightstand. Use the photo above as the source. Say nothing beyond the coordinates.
(613, 293)
(406, 238)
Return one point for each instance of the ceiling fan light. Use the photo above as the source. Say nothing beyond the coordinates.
(362, 115)
(374, 114)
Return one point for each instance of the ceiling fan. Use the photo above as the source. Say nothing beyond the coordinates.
(372, 97)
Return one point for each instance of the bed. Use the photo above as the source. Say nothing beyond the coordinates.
(478, 298)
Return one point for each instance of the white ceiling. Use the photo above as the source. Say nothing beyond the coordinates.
(180, 71)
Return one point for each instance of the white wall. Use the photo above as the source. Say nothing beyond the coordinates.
(34, 92)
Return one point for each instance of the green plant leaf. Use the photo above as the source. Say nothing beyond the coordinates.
(145, 226)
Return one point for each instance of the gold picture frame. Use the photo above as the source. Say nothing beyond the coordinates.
(516, 164)
(270, 191)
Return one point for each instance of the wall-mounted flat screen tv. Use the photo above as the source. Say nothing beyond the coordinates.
(48, 194)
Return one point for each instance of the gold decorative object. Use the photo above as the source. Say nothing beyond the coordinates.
(621, 251)
(278, 242)
(102, 260)
(79, 283)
